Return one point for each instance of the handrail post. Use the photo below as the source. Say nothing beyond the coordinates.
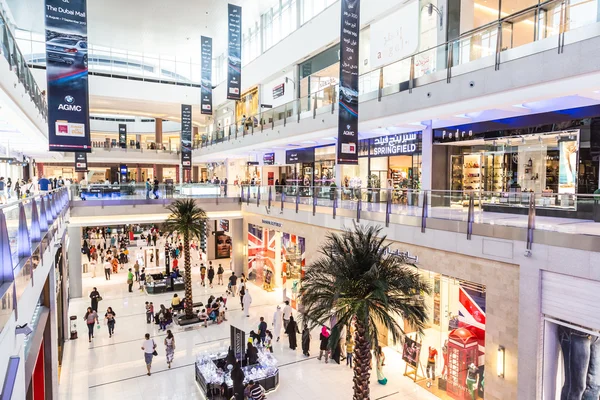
(411, 79)
(449, 62)
(297, 198)
(270, 196)
(218, 193)
(470, 216)
(498, 46)
(561, 30)
(285, 115)
(388, 207)
(531, 221)
(315, 106)
(358, 206)
(298, 108)
(334, 99)
(314, 196)
(241, 196)
(424, 212)
(258, 196)
(380, 90)
(335, 195)
(282, 198)
(248, 197)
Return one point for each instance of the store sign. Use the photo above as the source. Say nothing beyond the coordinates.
(237, 342)
(278, 91)
(272, 223)
(252, 163)
(123, 171)
(395, 36)
(269, 159)
(122, 136)
(405, 255)
(347, 146)
(206, 71)
(234, 53)
(186, 137)
(300, 156)
(406, 143)
(81, 162)
(67, 76)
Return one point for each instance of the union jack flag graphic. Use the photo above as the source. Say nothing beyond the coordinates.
(471, 315)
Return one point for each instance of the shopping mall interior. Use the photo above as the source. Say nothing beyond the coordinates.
(299, 199)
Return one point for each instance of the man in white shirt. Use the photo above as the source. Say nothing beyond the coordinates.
(287, 313)
(107, 267)
(148, 347)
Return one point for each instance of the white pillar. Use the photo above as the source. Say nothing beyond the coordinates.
(75, 262)
(278, 261)
(427, 156)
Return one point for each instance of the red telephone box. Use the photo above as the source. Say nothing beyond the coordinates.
(462, 351)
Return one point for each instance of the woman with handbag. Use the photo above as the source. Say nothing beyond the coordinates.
(110, 321)
(91, 318)
(149, 349)
(170, 347)
(95, 296)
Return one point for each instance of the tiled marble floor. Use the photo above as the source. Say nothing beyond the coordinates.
(113, 368)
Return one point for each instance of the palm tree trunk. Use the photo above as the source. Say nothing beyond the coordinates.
(189, 302)
(362, 364)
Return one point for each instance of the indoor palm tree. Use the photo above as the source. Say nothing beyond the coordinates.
(357, 281)
(189, 220)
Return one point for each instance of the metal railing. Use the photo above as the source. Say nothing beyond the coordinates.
(18, 65)
(550, 19)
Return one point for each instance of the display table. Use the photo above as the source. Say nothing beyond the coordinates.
(160, 284)
(201, 190)
(100, 192)
(212, 374)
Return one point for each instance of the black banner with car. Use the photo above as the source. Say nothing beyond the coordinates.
(67, 76)
(206, 69)
(347, 150)
(234, 53)
(81, 162)
(122, 136)
(186, 137)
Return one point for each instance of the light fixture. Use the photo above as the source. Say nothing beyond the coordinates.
(440, 11)
(501, 361)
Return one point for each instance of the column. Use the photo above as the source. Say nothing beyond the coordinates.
(158, 172)
(75, 262)
(138, 174)
(278, 261)
(239, 263)
(40, 169)
(196, 173)
(427, 156)
(138, 139)
(339, 175)
(195, 135)
(158, 131)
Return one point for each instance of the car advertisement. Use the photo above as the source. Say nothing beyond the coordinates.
(186, 137)
(206, 69)
(81, 162)
(67, 76)
(347, 150)
(123, 135)
(234, 53)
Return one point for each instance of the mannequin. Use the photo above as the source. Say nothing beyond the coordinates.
(445, 356)
(472, 380)
(431, 359)
(581, 355)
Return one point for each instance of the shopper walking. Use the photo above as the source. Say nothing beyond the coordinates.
(291, 330)
(149, 312)
(170, 347)
(306, 340)
(380, 360)
(136, 268)
(155, 188)
(149, 349)
(233, 284)
(95, 297)
(242, 293)
(277, 322)
(107, 267)
(262, 330)
(247, 302)
(287, 314)
(211, 275)
(143, 279)
(324, 338)
(220, 271)
(130, 280)
(91, 318)
(237, 376)
(109, 316)
(349, 349)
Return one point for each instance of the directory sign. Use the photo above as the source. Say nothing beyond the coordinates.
(347, 144)
(269, 159)
(81, 162)
(299, 156)
(206, 70)
(123, 135)
(67, 76)
(234, 53)
(186, 137)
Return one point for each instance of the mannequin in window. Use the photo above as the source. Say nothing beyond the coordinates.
(581, 356)
(472, 380)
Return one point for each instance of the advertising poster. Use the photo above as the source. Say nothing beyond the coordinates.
(237, 342)
(224, 225)
(81, 162)
(567, 172)
(222, 245)
(347, 151)
(411, 351)
(234, 53)
(67, 76)
(122, 136)
(186, 137)
(206, 69)
(269, 159)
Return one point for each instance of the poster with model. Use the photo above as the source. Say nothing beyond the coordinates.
(222, 245)
(81, 162)
(206, 71)
(347, 148)
(186, 137)
(234, 53)
(410, 352)
(567, 171)
(67, 76)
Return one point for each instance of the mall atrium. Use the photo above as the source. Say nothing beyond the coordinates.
(299, 199)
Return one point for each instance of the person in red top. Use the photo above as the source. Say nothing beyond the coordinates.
(431, 359)
(175, 263)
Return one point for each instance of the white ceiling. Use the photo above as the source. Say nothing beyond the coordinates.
(150, 26)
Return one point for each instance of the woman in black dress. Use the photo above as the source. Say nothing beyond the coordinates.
(237, 376)
(94, 296)
(291, 330)
(306, 340)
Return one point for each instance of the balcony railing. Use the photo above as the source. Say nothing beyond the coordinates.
(547, 21)
(18, 65)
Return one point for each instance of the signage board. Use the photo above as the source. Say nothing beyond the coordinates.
(186, 137)
(234, 52)
(269, 159)
(81, 162)
(123, 135)
(238, 342)
(405, 143)
(278, 91)
(206, 71)
(300, 156)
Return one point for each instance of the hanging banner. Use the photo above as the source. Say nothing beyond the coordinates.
(206, 69)
(67, 76)
(234, 53)
(347, 146)
(122, 136)
(186, 137)
(81, 162)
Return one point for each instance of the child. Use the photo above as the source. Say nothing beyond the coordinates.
(143, 279)
(149, 312)
(349, 350)
(268, 340)
(202, 273)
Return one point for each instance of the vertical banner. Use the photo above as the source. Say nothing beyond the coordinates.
(67, 76)
(206, 70)
(123, 136)
(186, 137)
(81, 162)
(347, 150)
(234, 53)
